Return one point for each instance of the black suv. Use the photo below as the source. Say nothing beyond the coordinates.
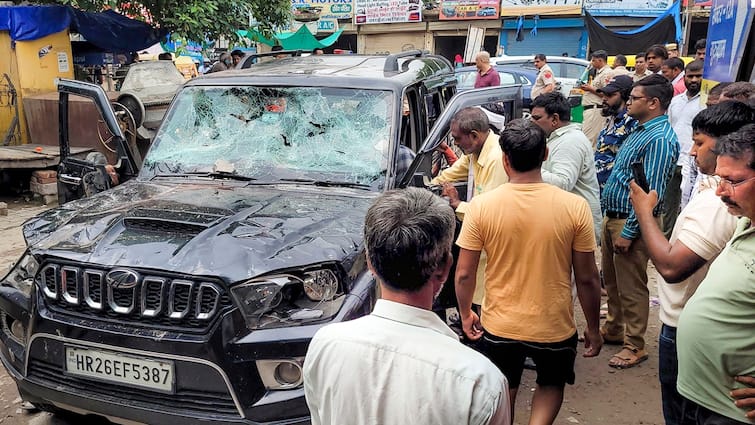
(189, 292)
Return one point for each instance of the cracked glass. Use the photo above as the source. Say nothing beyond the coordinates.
(276, 133)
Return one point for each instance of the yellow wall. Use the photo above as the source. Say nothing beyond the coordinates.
(8, 65)
(33, 67)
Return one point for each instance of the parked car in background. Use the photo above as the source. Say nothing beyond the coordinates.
(147, 91)
(567, 71)
(465, 78)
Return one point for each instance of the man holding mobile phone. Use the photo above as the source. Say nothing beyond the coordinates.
(624, 254)
(702, 230)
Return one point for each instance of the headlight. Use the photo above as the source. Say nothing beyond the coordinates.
(22, 274)
(289, 300)
(320, 285)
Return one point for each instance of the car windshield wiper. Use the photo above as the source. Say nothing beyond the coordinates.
(209, 174)
(329, 183)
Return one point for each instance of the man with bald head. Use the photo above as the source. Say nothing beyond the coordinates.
(486, 75)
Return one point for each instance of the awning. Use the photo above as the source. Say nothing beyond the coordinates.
(107, 30)
(302, 39)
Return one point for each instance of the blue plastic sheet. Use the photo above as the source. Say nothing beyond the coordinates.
(107, 30)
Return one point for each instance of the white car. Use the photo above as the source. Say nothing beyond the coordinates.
(567, 70)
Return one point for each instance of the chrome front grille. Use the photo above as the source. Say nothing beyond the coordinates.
(128, 295)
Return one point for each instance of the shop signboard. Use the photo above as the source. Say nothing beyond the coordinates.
(469, 9)
(638, 8)
(387, 11)
(518, 8)
(728, 27)
(324, 9)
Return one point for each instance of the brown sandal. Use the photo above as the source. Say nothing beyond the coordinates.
(628, 357)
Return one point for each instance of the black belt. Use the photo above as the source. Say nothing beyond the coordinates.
(615, 214)
(586, 107)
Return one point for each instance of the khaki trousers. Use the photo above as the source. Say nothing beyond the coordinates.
(626, 280)
(592, 122)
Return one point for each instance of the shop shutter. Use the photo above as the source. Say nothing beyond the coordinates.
(394, 42)
(550, 42)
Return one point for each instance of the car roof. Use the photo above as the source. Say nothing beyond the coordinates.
(392, 72)
(512, 68)
(501, 60)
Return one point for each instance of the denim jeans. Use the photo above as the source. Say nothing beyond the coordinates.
(667, 373)
(694, 414)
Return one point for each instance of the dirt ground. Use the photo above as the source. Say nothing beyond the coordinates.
(600, 396)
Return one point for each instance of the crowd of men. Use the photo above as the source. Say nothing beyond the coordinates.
(652, 173)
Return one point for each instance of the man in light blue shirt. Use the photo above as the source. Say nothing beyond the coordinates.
(569, 164)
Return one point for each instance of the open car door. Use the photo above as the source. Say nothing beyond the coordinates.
(506, 100)
(76, 177)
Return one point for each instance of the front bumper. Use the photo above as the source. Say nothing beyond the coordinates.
(216, 378)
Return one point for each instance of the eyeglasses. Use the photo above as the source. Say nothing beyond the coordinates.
(728, 187)
(633, 98)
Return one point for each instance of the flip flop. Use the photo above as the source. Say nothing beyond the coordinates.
(611, 340)
(628, 357)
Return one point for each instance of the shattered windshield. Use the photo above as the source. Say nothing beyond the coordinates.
(276, 133)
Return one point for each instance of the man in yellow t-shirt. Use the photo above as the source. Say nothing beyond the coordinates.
(532, 245)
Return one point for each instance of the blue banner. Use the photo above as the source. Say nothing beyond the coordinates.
(729, 24)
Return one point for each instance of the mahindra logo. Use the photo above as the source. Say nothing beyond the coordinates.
(122, 279)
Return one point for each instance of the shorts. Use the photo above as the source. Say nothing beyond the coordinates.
(554, 361)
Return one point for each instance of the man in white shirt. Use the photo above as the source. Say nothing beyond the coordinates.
(683, 108)
(701, 232)
(402, 364)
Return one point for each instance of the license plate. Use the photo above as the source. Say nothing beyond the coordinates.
(120, 368)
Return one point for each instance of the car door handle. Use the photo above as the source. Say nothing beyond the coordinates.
(69, 179)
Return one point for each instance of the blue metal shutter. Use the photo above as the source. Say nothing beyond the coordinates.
(550, 42)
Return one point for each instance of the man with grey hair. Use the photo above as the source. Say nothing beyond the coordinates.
(487, 76)
(379, 360)
(480, 166)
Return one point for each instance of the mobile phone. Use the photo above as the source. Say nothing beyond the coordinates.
(638, 172)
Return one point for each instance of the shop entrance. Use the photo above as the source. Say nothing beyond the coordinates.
(450, 46)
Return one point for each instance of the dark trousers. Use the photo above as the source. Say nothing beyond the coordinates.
(667, 372)
(694, 414)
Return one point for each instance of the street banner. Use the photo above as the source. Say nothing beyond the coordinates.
(387, 11)
(540, 7)
(451, 10)
(729, 24)
(325, 9)
(639, 8)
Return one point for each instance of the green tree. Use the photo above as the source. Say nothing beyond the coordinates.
(195, 19)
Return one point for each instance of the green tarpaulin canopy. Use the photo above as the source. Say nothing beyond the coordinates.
(302, 39)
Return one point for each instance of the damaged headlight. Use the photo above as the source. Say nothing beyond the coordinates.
(289, 299)
(22, 274)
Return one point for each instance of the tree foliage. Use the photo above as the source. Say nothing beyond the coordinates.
(195, 19)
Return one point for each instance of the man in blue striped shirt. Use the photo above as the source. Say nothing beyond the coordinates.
(624, 254)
